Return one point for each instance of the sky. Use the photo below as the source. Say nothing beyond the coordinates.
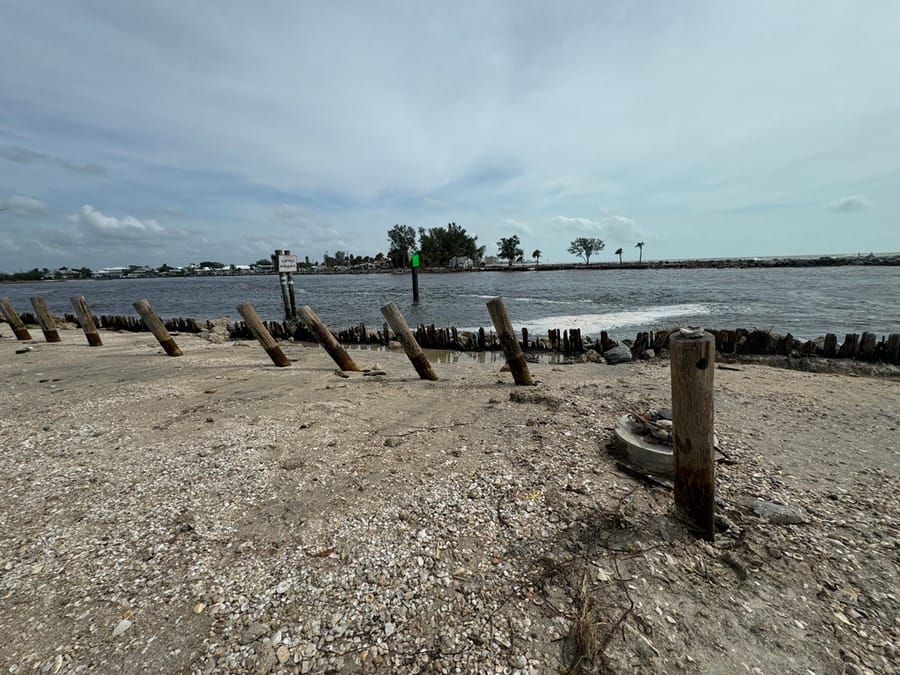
(181, 131)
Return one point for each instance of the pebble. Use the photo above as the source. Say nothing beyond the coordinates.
(121, 627)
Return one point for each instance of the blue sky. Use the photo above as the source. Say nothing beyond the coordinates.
(151, 132)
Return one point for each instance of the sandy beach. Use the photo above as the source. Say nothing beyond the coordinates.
(213, 513)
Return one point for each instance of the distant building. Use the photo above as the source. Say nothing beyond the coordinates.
(110, 273)
(461, 262)
(491, 260)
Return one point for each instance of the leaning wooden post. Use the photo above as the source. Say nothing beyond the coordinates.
(48, 324)
(514, 355)
(157, 327)
(326, 339)
(86, 320)
(263, 335)
(12, 317)
(398, 324)
(692, 357)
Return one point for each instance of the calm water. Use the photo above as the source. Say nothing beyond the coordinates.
(804, 301)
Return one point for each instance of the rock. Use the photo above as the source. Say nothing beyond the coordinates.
(389, 628)
(777, 514)
(121, 627)
(394, 344)
(283, 654)
(24, 350)
(620, 354)
(648, 354)
(253, 632)
(283, 587)
(591, 356)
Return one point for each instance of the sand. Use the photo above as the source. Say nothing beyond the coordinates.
(213, 513)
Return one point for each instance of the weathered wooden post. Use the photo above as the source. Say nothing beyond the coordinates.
(13, 319)
(157, 327)
(326, 339)
(263, 335)
(48, 324)
(693, 354)
(398, 324)
(86, 320)
(518, 366)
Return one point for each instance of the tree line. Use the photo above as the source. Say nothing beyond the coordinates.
(441, 246)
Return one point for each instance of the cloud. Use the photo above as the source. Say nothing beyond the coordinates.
(19, 155)
(21, 205)
(95, 222)
(613, 227)
(851, 203)
(517, 226)
(310, 227)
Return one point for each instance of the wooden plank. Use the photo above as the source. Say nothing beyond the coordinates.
(518, 366)
(86, 320)
(251, 318)
(157, 327)
(413, 351)
(692, 367)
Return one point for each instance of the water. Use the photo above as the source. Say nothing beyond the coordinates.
(803, 301)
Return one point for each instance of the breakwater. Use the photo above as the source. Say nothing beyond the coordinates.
(865, 346)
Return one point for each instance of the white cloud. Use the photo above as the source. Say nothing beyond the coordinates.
(612, 227)
(22, 205)
(95, 222)
(851, 203)
(517, 226)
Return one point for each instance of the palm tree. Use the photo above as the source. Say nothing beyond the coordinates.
(640, 245)
(536, 254)
(619, 253)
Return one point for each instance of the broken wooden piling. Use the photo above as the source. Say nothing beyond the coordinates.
(263, 335)
(692, 366)
(515, 358)
(86, 320)
(326, 339)
(48, 323)
(13, 319)
(157, 327)
(413, 351)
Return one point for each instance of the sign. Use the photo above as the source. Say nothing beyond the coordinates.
(414, 260)
(287, 263)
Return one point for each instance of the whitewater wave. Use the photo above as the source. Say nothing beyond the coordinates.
(533, 301)
(609, 321)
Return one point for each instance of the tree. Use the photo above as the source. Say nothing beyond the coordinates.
(439, 244)
(212, 264)
(403, 241)
(509, 248)
(536, 254)
(640, 245)
(263, 262)
(619, 253)
(585, 247)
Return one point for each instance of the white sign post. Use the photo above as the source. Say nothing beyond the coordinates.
(287, 263)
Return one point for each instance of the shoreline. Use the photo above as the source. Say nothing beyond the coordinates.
(214, 513)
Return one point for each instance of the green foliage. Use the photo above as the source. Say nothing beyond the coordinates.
(619, 253)
(263, 262)
(509, 248)
(536, 255)
(439, 244)
(640, 245)
(403, 241)
(212, 264)
(585, 247)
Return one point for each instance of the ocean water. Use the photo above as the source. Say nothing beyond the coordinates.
(806, 301)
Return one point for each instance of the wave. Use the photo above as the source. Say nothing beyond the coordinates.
(594, 323)
(534, 301)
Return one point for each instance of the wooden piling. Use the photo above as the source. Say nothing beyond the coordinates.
(518, 366)
(13, 319)
(263, 335)
(48, 324)
(413, 351)
(86, 320)
(692, 368)
(157, 327)
(326, 339)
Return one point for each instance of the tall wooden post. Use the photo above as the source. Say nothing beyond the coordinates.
(86, 320)
(326, 339)
(157, 327)
(514, 355)
(13, 319)
(692, 357)
(413, 351)
(48, 324)
(263, 335)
